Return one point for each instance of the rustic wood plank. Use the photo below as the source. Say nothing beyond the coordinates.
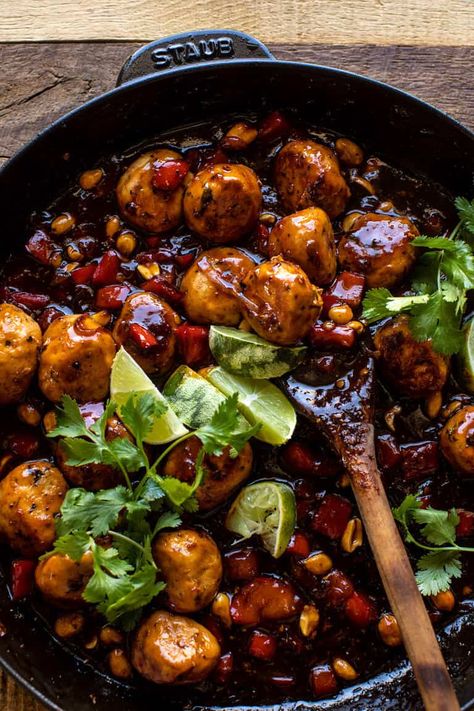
(14, 698)
(423, 22)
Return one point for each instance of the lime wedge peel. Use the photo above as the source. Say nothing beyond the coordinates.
(266, 509)
(128, 378)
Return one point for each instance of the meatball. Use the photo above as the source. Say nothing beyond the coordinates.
(30, 499)
(412, 368)
(62, 580)
(307, 239)
(222, 203)
(457, 440)
(307, 174)
(212, 284)
(192, 568)
(146, 329)
(223, 474)
(379, 246)
(76, 359)
(264, 599)
(170, 649)
(141, 203)
(20, 342)
(279, 301)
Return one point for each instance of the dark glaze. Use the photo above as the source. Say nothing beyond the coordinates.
(286, 676)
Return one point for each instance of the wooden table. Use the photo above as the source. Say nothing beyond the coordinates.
(424, 46)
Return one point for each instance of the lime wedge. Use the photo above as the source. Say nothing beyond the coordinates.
(249, 355)
(193, 398)
(465, 359)
(266, 509)
(259, 402)
(128, 378)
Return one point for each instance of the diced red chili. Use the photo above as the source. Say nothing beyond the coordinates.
(283, 681)
(22, 442)
(162, 256)
(263, 234)
(243, 564)
(83, 275)
(168, 175)
(142, 336)
(419, 460)
(465, 527)
(273, 127)
(22, 577)
(338, 587)
(332, 516)
(106, 271)
(335, 338)
(111, 297)
(184, 260)
(162, 287)
(347, 288)
(42, 248)
(47, 317)
(360, 609)
(388, 452)
(193, 342)
(299, 545)
(322, 680)
(264, 599)
(31, 301)
(262, 645)
(300, 458)
(224, 668)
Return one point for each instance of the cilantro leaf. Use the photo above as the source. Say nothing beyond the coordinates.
(437, 320)
(99, 426)
(142, 587)
(439, 526)
(404, 513)
(80, 452)
(69, 421)
(379, 303)
(465, 210)
(72, 544)
(129, 455)
(443, 243)
(176, 491)
(139, 414)
(75, 512)
(223, 429)
(436, 569)
(458, 265)
(170, 519)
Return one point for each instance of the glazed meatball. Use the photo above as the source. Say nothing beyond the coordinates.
(144, 205)
(379, 246)
(192, 568)
(146, 329)
(457, 440)
(170, 649)
(222, 203)
(76, 359)
(223, 474)
(412, 368)
(212, 284)
(279, 301)
(20, 342)
(307, 239)
(30, 498)
(62, 580)
(307, 174)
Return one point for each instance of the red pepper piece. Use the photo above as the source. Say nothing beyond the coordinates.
(465, 527)
(83, 275)
(31, 301)
(142, 336)
(264, 599)
(283, 681)
(338, 587)
(169, 174)
(300, 458)
(185, 260)
(263, 234)
(322, 680)
(193, 342)
(42, 248)
(273, 127)
(106, 271)
(388, 452)
(49, 315)
(299, 545)
(243, 564)
(262, 645)
(347, 288)
(22, 577)
(419, 460)
(338, 337)
(332, 516)
(224, 668)
(162, 256)
(162, 287)
(111, 297)
(360, 609)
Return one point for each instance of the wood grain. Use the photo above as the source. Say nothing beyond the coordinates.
(423, 22)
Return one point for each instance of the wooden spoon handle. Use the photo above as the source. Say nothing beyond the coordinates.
(397, 576)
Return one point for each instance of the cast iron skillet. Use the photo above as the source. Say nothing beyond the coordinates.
(188, 79)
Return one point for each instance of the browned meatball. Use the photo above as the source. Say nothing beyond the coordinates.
(379, 246)
(20, 341)
(141, 203)
(307, 174)
(30, 498)
(307, 239)
(212, 284)
(457, 440)
(222, 203)
(155, 317)
(76, 359)
(223, 474)
(279, 301)
(170, 649)
(410, 367)
(192, 568)
(62, 580)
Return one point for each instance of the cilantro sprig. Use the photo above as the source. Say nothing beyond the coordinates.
(442, 562)
(443, 275)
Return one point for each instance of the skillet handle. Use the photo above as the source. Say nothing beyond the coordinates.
(202, 46)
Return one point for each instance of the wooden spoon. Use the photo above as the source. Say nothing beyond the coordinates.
(343, 412)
